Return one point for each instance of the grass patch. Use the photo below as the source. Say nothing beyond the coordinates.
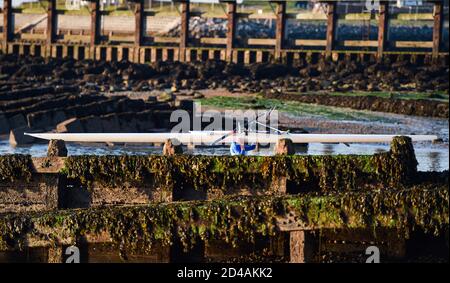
(438, 95)
(293, 107)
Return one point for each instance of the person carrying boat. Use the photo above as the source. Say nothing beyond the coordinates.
(240, 148)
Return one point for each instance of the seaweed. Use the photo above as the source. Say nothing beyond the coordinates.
(235, 219)
(314, 173)
(15, 167)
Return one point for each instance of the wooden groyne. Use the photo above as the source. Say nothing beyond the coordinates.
(208, 208)
(141, 48)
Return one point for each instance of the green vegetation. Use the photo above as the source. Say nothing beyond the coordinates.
(234, 220)
(15, 167)
(293, 107)
(308, 173)
(438, 95)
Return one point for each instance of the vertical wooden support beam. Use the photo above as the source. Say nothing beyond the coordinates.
(383, 21)
(95, 26)
(51, 22)
(141, 55)
(76, 52)
(139, 22)
(153, 57)
(259, 56)
(331, 27)
(231, 29)
(211, 54)
(438, 16)
(280, 28)
(7, 24)
(184, 33)
(301, 247)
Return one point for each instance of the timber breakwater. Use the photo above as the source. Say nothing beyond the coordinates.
(283, 208)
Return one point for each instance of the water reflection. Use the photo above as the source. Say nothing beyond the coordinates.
(328, 149)
(434, 157)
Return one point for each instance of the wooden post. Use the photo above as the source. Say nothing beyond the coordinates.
(282, 147)
(331, 27)
(438, 16)
(280, 28)
(301, 247)
(8, 29)
(184, 33)
(383, 21)
(231, 28)
(172, 147)
(51, 22)
(139, 22)
(57, 148)
(95, 26)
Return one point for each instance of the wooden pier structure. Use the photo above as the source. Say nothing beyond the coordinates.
(142, 48)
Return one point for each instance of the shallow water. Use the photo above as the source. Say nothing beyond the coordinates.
(431, 157)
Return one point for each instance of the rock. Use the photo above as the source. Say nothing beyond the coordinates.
(17, 121)
(198, 95)
(186, 104)
(284, 147)
(58, 117)
(166, 97)
(268, 71)
(172, 147)
(4, 125)
(110, 123)
(17, 137)
(72, 125)
(56, 148)
(151, 99)
(92, 124)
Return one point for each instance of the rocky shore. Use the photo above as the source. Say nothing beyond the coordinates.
(68, 95)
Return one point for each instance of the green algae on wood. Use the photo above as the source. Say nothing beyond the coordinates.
(307, 173)
(313, 173)
(15, 168)
(231, 219)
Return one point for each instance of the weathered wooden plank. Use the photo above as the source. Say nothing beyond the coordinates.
(95, 22)
(280, 27)
(51, 21)
(310, 42)
(214, 40)
(160, 39)
(8, 23)
(261, 41)
(383, 21)
(184, 30)
(438, 16)
(359, 43)
(231, 29)
(414, 44)
(139, 22)
(331, 27)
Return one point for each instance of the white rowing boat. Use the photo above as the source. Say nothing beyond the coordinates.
(225, 137)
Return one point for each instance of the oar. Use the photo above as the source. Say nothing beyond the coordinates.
(234, 130)
(223, 137)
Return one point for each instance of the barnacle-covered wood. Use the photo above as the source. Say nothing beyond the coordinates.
(233, 220)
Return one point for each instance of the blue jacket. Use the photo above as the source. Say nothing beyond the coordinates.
(236, 149)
